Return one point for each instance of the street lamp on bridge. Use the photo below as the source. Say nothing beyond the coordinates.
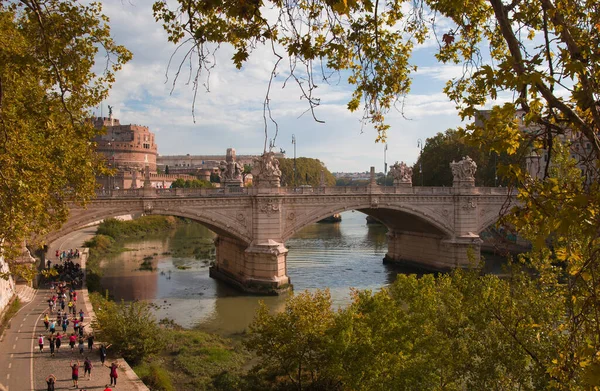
(294, 142)
(420, 146)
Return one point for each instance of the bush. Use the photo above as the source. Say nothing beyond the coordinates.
(118, 229)
(130, 327)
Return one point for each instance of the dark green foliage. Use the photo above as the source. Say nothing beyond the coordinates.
(130, 327)
(144, 225)
(308, 172)
(191, 184)
(449, 146)
(351, 182)
(215, 178)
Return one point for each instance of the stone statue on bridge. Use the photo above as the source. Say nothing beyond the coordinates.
(464, 172)
(230, 170)
(265, 170)
(401, 173)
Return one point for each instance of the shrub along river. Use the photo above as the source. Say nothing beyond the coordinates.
(174, 277)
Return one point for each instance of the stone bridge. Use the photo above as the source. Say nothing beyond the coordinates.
(433, 227)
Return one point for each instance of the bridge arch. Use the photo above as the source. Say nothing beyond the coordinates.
(80, 218)
(402, 218)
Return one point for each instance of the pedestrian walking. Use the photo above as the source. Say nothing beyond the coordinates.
(72, 340)
(81, 315)
(90, 341)
(81, 345)
(58, 341)
(65, 324)
(87, 368)
(41, 342)
(51, 381)
(52, 326)
(74, 373)
(81, 326)
(113, 374)
(52, 342)
(46, 321)
(102, 352)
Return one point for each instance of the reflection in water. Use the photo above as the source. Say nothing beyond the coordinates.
(335, 256)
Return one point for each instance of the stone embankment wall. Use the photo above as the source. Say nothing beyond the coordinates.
(7, 287)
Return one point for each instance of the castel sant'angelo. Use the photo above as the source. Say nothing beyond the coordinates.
(126, 147)
(132, 151)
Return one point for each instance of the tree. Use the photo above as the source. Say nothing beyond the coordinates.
(308, 172)
(193, 184)
(294, 344)
(215, 178)
(452, 145)
(47, 87)
(535, 63)
(129, 327)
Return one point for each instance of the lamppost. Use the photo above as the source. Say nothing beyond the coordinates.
(111, 163)
(420, 146)
(495, 169)
(294, 142)
(385, 164)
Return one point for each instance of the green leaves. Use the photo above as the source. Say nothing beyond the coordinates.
(47, 51)
(130, 327)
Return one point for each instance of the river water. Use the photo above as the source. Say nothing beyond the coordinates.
(337, 256)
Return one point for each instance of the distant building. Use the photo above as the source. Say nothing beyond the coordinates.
(190, 164)
(126, 147)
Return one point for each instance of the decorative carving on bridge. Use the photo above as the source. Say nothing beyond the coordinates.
(241, 218)
(464, 172)
(469, 203)
(148, 207)
(268, 206)
(265, 171)
(401, 173)
(230, 170)
(374, 203)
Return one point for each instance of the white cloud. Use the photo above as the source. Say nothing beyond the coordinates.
(231, 115)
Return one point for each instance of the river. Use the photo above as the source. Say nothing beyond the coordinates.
(337, 256)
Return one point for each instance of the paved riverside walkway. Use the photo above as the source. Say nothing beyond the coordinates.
(23, 367)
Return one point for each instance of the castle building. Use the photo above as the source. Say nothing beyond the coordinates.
(192, 163)
(126, 147)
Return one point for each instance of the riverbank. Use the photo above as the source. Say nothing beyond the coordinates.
(175, 358)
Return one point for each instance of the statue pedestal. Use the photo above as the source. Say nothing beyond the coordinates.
(398, 183)
(463, 183)
(232, 183)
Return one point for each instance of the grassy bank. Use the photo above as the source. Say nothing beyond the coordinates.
(10, 311)
(165, 356)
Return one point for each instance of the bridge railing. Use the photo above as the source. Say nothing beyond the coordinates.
(299, 191)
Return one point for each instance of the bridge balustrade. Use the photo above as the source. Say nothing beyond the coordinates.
(299, 191)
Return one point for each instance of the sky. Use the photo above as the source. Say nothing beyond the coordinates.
(231, 114)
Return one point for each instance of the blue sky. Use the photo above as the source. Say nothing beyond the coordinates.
(231, 114)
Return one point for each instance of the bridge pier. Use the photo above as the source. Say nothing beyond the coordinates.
(258, 268)
(432, 252)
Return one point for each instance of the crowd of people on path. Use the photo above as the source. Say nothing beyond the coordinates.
(61, 313)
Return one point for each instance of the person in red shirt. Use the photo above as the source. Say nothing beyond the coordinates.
(108, 388)
(74, 373)
(113, 373)
(72, 340)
